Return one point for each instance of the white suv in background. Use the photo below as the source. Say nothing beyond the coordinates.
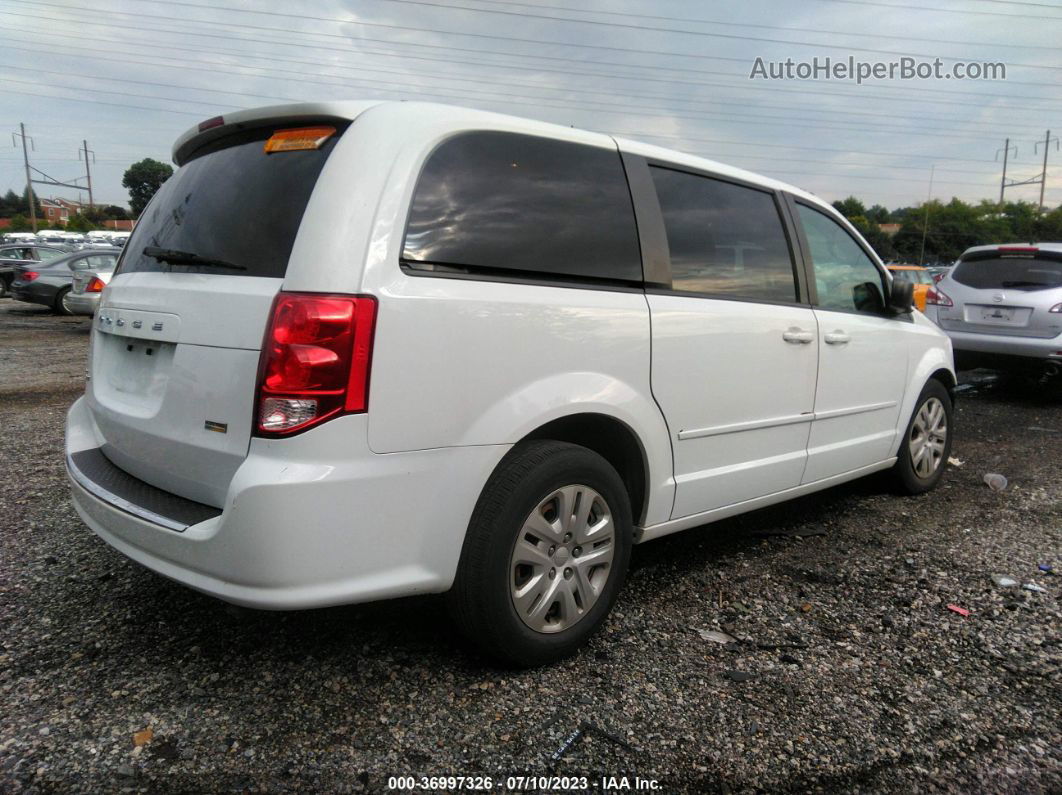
(1002, 307)
(362, 350)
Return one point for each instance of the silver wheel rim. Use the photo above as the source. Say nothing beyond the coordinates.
(562, 559)
(66, 306)
(929, 432)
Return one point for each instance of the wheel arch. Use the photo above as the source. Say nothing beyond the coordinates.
(613, 440)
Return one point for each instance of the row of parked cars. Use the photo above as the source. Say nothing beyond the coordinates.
(66, 278)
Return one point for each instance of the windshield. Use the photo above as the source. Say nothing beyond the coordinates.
(1009, 273)
(234, 204)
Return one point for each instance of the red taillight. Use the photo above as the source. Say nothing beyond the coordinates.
(315, 361)
(1021, 249)
(209, 124)
(938, 276)
(95, 286)
(937, 298)
(29, 276)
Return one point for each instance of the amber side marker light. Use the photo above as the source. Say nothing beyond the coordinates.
(299, 138)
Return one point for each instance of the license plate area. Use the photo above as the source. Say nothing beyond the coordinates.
(133, 373)
(1015, 316)
(997, 314)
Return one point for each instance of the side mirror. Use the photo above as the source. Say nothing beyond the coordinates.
(901, 297)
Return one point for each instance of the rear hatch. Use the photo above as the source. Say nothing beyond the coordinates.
(1008, 291)
(177, 336)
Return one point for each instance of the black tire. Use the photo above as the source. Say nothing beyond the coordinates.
(481, 601)
(3, 288)
(57, 305)
(907, 479)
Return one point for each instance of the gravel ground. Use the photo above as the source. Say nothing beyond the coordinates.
(859, 677)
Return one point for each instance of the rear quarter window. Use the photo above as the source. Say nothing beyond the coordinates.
(518, 205)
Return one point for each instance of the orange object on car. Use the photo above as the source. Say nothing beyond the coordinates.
(921, 277)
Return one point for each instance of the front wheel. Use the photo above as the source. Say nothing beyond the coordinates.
(545, 555)
(926, 446)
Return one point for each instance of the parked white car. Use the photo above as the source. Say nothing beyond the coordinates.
(1001, 305)
(362, 350)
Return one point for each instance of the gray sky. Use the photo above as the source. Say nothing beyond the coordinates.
(131, 75)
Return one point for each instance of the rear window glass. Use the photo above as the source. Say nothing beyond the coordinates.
(1009, 273)
(234, 204)
(504, 202)
(724, 239)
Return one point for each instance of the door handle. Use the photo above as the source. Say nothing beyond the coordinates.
(798, 336)
(836, 338)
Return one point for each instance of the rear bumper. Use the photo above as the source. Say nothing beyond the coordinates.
(82, 303)
(1002, 345)
(30, 296)
(310, 521)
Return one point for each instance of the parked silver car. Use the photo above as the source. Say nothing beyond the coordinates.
(84, 295)
(1002, 307)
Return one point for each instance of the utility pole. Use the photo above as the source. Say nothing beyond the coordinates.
(1043, 176)
(88, 174)
(1003, 181)
(29, 180)
(925, 224)
(1003, 184)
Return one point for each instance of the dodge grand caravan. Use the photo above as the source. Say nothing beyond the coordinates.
(355, 351)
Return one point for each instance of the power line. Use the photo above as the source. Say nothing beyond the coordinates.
(479, 51)
(945, 10)
(360, 68)
(428, 89)
(876, 36)
(643, 28)
(770, 120)
(227, 9)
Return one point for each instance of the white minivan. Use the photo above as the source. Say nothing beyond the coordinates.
(356, 351)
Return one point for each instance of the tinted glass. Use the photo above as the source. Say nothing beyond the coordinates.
(725, 239)
(1009, 273)
(503, 202)
(236, 204)
(12, 253)
(845, 277)
(50, 253)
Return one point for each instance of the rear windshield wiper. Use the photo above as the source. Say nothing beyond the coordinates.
(176, 257)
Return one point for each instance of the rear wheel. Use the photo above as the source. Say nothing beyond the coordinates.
(926, 446)
(59, 305)
(545, 555)
(3, 288)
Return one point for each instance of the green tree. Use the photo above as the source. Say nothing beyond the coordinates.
(878, 214)
(80, 223)
(1049, 226)
(10, 203)
(24, 203)
(143, 179)
(19, 223)
(850, 207)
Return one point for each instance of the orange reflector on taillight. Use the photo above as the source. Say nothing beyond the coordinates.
(95, 286)
(300, 138)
